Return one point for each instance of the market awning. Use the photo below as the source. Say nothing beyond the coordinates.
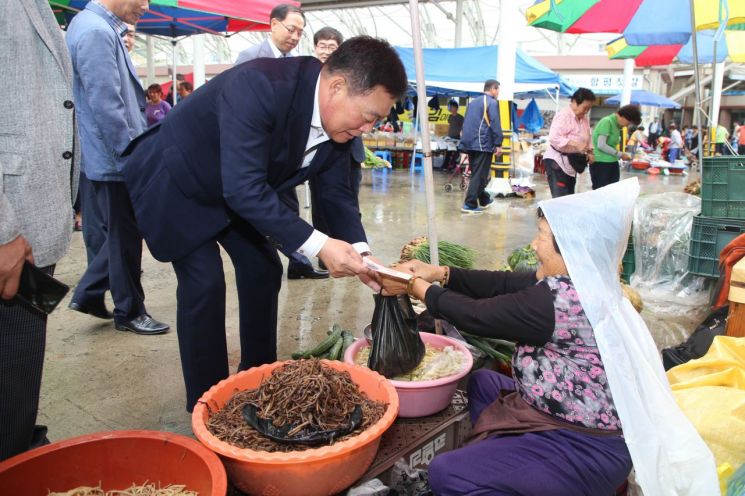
(459, 71)
(642, 97)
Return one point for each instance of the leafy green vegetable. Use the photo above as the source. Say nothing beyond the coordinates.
(372, 161)
(451, 254)
(523, 259)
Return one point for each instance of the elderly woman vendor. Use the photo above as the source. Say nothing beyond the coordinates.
(564, 432)
(553, 427)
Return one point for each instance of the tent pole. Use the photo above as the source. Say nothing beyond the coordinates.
(199, 72)
(628, 74)
(174, 88)
(150, 60)
(429, 188)
(697, 107)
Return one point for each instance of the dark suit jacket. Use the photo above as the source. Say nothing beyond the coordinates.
(228, 152)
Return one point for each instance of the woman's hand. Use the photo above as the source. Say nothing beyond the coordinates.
(392, 286)
(429, 273)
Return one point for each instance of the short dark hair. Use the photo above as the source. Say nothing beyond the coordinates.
(583, 95)
(155, 87)
(186, 85)
(280, 11)
(453, 103)
(631, 113)
(327, 33)
(491, 83)
(368, 62)
(640, 128)
(541, 215)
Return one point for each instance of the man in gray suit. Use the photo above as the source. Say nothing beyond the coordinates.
(287, 23)
(38, 184)
(111, 111)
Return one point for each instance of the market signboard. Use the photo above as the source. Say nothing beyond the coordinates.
(604, 84)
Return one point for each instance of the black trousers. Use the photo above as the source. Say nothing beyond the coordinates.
(559, 182)
(116, 266)
(604, 173)
(23, 332)
(480, 169)
(94, 227)
(200, 307)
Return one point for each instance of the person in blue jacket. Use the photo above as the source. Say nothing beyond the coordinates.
(214, 171)
(481, 139)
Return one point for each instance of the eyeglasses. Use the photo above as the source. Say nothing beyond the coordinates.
(331, 47)
(292, 29)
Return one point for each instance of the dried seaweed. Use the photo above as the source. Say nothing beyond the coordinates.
(301, 393)
(143, 490)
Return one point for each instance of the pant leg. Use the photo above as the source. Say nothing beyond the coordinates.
(125, 253)
(674, 154)
(258, 275)
(484, 197)
(559, 182)
(479, 162)
(741, 149)
(22, 340)
(556, 463)
(484, 388)
(94, 227)
(318, 221)
(604, 173)
(200, 320)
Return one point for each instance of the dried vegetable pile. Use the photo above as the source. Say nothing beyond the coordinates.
(143, 490)
(301, 393)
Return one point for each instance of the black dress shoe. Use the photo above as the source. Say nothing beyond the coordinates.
(94, 310)
(144, 324)
(302, 271)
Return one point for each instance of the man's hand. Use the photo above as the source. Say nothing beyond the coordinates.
(12, 256)
(341, 260)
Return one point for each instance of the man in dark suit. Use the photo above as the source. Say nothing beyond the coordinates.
(213, 173)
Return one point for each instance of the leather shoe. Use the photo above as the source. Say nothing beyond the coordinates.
(144, 324)
(94, 310)
(303, 271)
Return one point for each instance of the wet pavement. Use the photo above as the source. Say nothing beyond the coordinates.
(96, 378)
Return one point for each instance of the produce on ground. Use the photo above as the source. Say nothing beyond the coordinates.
(693, 188)
(500, 350)
(332, 347)
(134, 490)
(372, 161)
(633, 296)
(436, 364)
(451, 254)
(301, 392)
(523, 259)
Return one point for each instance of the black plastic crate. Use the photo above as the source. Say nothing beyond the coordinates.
(709, 236)
(723, 187)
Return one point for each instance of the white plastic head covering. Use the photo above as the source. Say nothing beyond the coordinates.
(592, 230)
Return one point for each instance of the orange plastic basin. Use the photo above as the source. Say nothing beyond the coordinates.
(116, 460)
(320, 471)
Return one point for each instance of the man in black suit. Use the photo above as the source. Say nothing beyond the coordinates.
(213, 172)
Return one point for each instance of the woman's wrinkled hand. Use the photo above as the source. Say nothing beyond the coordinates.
(429, 273)
(392, 287)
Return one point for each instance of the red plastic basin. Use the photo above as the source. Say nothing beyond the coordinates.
(116, 460)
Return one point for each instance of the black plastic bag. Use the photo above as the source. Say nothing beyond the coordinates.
(397, 347)
(309, 435)
(700, 341)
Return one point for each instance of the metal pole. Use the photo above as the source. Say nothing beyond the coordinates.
(174, 88)
(429, 188)
(697, 107)
(199, 72)
(150, 60)
(628, 75)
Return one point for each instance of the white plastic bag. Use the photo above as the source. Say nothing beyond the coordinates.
(592, 230)
(498, 186)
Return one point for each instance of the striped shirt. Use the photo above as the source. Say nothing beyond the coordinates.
(119, 26)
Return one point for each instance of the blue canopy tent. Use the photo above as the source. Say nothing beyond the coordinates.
(642, 97)
(462, 72)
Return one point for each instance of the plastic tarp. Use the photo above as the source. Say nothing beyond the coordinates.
(711, 392)
(463, 71)
(643, 97)
(531, 118)
(592, 231)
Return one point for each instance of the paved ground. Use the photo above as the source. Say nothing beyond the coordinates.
(96, 378)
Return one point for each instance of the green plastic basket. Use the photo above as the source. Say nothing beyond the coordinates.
(709, 236)
(629, 261)
(723, 187)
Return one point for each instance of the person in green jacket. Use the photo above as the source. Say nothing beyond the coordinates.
(605, 138)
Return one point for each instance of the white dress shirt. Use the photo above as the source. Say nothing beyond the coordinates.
(316, 137)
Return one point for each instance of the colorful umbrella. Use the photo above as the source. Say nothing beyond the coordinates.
(640, 20)
(643, 97)
(731, 45)
(176, 18)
